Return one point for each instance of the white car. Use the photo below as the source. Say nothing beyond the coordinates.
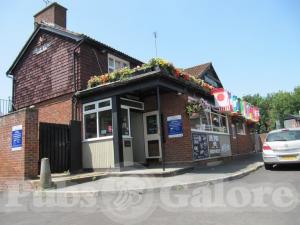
(282, 147)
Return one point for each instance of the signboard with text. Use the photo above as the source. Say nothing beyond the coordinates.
(175, 126)
(16, 138)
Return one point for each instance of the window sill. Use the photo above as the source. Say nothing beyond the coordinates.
(209, 132)
(97, 139)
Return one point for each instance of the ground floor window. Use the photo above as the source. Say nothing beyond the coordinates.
(97, 119)
(209, 121)
(105, 123)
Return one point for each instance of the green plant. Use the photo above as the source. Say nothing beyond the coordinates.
(192, 107)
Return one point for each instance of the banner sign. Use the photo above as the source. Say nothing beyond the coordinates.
(225, 102)
(175, 126)
(16, 138)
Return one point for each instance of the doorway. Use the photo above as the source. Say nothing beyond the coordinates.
(152, 135)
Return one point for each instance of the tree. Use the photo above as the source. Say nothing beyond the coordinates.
(275, 107)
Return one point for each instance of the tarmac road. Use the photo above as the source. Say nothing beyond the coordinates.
(263, 197)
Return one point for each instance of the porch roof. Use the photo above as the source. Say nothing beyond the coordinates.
(143, 82)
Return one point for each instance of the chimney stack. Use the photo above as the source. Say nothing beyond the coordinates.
(53, 14)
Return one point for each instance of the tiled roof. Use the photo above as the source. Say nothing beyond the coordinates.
(66, 33)
(199, 70)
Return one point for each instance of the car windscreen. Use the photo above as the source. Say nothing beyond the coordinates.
(286, 135)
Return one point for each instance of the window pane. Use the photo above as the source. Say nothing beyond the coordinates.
(224, 124)
(195, 123)
(105, 123)
(111, 62)
(118, 65)
(132, 103)
(104, 104)
(89, 107)
(152, 124)
(90, 121)
(110, 70)
(205, 121)
(125, 122)
(285, 135)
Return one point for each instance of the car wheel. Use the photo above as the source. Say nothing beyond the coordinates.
(268, 166)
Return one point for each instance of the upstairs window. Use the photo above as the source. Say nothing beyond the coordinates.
(115, 63)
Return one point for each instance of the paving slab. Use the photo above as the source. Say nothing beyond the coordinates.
(230, 170)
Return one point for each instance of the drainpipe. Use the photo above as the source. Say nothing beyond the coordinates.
(74, 98)
(10, 76)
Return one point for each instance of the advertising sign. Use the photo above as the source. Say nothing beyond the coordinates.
(175, 126)
(200, 146)
(214, 145)
(16, 138)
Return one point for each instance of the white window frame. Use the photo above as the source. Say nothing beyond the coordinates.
(96, 110)
(130, 100)
(115, 58)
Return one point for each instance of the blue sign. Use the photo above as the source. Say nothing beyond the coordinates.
(16, 138)
(175, 126)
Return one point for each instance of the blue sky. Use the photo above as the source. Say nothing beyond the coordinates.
(254, 45)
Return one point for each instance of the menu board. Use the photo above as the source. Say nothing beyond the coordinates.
(214, 145)
(200, 146)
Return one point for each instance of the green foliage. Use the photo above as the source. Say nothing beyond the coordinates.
(275, 106)
(126, 72)
(192, 107)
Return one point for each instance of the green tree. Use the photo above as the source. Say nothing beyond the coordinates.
(275, 106)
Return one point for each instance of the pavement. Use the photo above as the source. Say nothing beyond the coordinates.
(199, 176)
(262, 197)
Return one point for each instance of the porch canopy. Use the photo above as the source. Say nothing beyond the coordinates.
(150, 82)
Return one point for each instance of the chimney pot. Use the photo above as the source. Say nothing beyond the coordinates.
(54, 14)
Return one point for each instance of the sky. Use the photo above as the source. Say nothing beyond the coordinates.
(254, 45)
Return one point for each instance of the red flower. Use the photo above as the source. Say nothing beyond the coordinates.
(186, 76)
(177, 73)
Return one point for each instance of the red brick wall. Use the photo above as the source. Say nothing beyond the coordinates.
(242, 144)
(88, 64)
(57, 110)
(176, 149)
(23, 163)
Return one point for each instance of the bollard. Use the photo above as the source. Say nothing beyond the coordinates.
(45, 175)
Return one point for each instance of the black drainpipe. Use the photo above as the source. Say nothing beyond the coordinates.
(74, 98)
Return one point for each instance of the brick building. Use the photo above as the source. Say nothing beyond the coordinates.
(141, 119)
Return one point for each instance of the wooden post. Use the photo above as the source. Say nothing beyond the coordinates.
(117, 131)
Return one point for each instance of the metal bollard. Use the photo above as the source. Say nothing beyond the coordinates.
(45, 175)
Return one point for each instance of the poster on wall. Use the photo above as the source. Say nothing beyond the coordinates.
(214, 145)
(175, 126)
(200, 146)
(16, 138)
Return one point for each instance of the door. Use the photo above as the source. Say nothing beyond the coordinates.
(152, 135)
(54, 144)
